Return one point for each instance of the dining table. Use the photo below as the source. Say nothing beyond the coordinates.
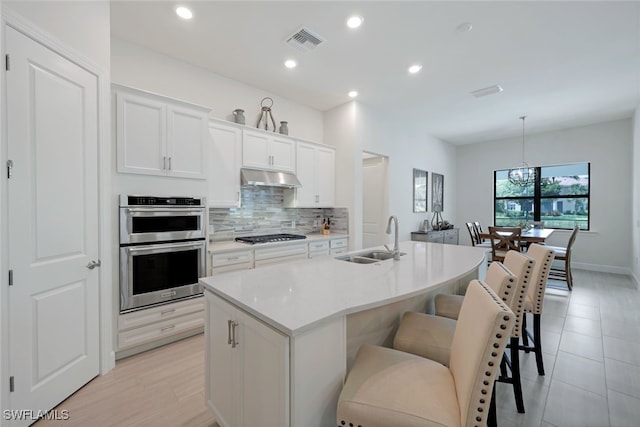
(534, 235)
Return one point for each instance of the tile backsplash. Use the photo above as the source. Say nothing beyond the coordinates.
(263, 212)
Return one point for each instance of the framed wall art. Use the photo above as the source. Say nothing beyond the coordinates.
(437, 192)
(419, 190)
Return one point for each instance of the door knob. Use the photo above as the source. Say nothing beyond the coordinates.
(93, 264)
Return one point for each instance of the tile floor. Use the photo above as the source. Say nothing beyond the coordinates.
(591, 345)
(591, 341)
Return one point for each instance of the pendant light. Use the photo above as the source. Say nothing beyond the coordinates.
(522, 175)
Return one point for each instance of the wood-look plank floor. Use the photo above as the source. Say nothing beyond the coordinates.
(160, 387)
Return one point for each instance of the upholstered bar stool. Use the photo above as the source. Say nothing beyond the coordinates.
(543, 256)
(449, 306)
(431, 336)
(386, 387)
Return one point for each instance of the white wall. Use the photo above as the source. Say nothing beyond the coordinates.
(82, 25)
(355, 127)
(135, 66)
(608, 146)
(635, 220)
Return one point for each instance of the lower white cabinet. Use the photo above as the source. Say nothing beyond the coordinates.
(156, 323)
(247, 368)
(318, 248)
(338, 246)
(231, 261)
(279, 254)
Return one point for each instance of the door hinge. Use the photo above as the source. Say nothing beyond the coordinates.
(9, 169)
(7, 62)
(10, 277)
(11, 385)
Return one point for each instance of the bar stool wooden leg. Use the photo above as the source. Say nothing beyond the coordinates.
(537, 344)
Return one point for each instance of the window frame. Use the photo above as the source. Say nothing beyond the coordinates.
(537, 198)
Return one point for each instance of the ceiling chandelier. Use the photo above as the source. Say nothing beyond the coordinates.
(522, 175)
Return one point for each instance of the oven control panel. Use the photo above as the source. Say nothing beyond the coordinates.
(160, 201)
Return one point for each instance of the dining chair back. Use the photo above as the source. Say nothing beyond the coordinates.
(503, 240)
(563, 255)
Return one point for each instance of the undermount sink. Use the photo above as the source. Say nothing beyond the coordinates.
(368, 257)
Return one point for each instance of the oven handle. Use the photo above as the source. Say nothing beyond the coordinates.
(163, 246)
(172, 210)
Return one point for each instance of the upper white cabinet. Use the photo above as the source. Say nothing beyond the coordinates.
(224, 154)
(315, 168)
(263, 150)
(159, 136)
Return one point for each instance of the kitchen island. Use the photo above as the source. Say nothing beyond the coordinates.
(280, 339)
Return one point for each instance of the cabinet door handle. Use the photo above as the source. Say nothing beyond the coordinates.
(166, 328)
(235, 343)
(172, 310)
(164, 162)
(238, 196)
(229, 322)
(169, 163)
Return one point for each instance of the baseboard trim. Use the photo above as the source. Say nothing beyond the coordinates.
(602, 268)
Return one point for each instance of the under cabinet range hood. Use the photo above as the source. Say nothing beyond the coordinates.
(268, 178)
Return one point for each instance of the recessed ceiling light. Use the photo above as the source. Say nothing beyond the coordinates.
(353, 94)
(465, 27)
(415, 68)
(184, 13)
(354, 21)
(290, 63)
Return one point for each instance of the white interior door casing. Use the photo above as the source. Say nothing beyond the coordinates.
(52, 133)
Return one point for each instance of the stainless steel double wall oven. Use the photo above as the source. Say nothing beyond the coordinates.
(162, 249)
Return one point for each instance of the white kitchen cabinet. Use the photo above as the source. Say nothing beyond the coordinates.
(264, 150)
(247, 368)
(315, 168)
(338, 246)
(281, 253)
(317, 249)
(225, 151)
(159, 136)
(231, 261)
(160, 322)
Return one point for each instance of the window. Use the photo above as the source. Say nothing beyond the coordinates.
(559, 197)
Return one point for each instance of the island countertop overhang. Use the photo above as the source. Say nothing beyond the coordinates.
(297, 296)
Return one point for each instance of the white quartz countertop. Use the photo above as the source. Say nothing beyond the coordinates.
(296, 296)
(232, 245)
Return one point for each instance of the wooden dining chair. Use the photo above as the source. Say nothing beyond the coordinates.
(474, 235)
(503, 240)
(563, 254)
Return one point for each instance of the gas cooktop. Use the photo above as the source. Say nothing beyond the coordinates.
(268, 238)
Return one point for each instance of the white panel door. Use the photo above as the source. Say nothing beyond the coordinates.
(283, 154)
(373, 200)
(255, 150)
(186, 143)
(53, 224)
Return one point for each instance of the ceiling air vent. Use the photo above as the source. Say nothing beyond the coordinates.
(304, 40)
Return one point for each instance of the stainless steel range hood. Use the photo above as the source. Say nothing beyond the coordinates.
(268, 178)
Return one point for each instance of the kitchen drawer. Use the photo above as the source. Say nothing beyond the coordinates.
(338, 243)
(318, 249)
(279, 260)
(281, 251)
(319, 246)
(160, 313)
(338, 251)
(159, 330)
(451, 237)
(231, 258)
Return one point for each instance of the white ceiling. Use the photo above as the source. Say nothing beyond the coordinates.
(562, 64)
